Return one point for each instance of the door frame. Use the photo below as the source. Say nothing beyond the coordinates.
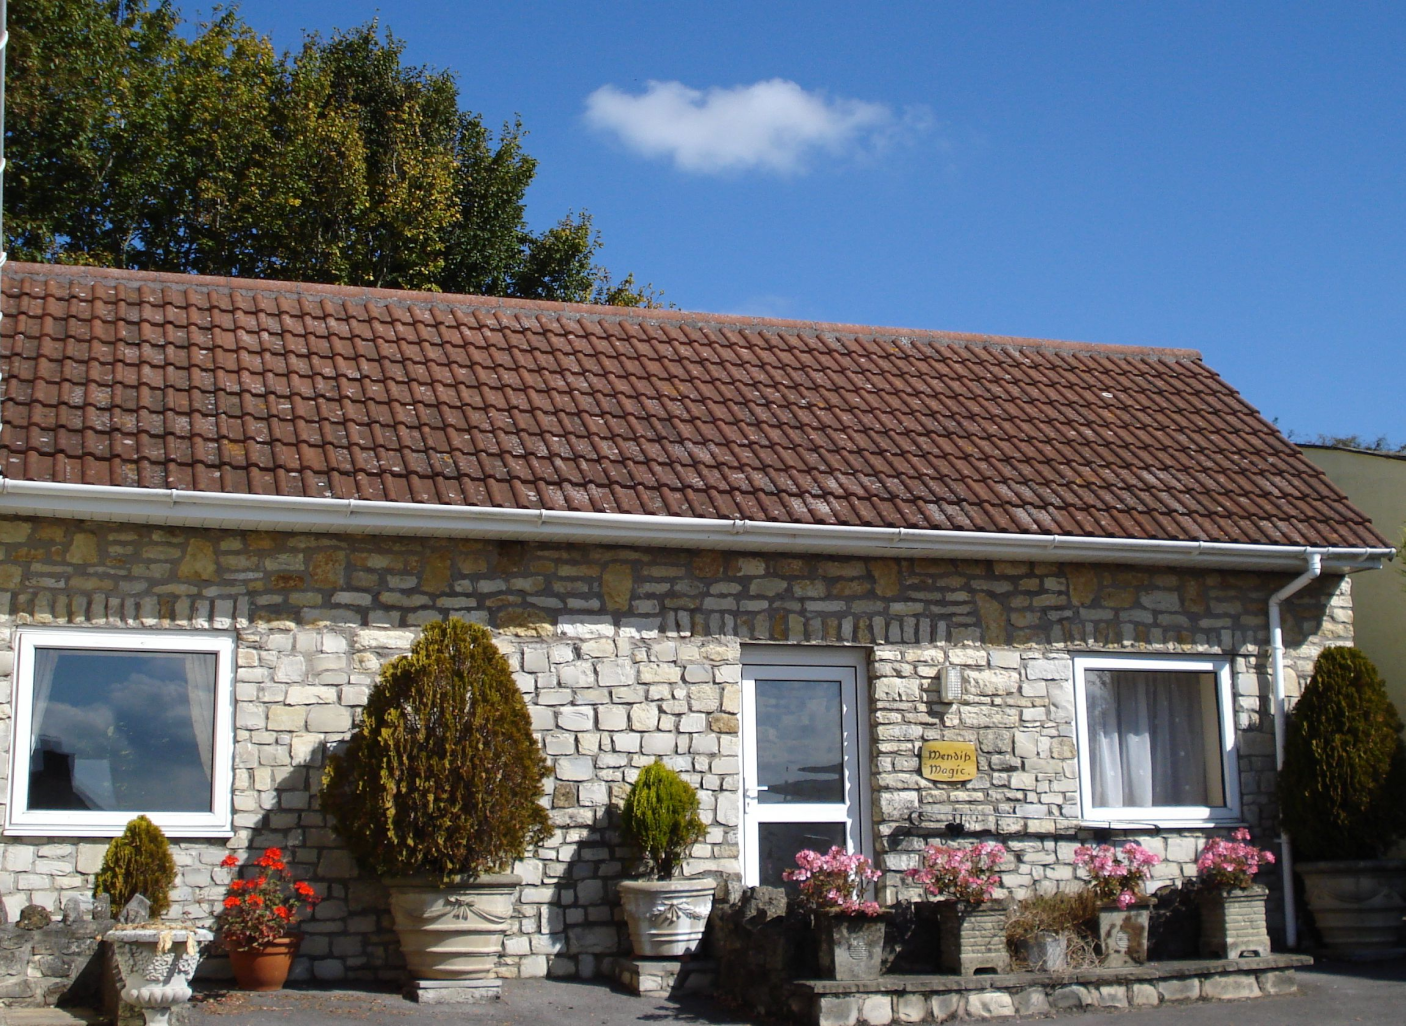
(808, 658)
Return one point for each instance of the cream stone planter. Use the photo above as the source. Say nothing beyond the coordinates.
(155, 966)
(1233, 924)
(1357, 905)
(666, 917)
(454, 932)
(972, 938)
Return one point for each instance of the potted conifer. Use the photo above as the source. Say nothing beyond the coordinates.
(666, 916)
(154, 960)
(438, 792)
(1340, 797)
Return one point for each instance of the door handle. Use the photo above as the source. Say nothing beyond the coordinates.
(755, 789)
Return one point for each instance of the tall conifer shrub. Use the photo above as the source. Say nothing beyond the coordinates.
(443, 776)
(1342, 792)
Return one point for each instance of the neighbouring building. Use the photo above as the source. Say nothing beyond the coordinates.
(1376, 484)
(779, 555)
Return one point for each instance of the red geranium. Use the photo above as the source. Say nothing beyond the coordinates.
(263, 909)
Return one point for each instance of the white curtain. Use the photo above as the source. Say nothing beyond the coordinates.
(1147, 738)
(46, 661)
(200, 692)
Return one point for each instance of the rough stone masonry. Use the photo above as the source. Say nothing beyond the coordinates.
(626, 655)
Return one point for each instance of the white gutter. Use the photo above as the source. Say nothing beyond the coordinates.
(288, 513)
(1276, 672)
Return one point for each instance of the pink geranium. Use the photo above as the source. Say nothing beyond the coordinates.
(967, 874)
(1117, 874)
(1231, 863)
(835, 881)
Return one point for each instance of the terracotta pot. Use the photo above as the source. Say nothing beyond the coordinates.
(453, 932)
(264, 968)
(667, 917)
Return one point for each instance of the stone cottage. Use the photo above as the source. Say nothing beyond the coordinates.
(781, 556)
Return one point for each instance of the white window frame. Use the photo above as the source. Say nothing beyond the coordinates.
(1164, 815)
(808, 663)
(218, 822)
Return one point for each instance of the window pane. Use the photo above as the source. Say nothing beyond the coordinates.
(1154, 738)
(779, 842)
(122, 731)
(800, 741)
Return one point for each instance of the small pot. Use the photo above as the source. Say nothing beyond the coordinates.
(850, 947)
(667, 917)
(1122, 933)
(264, 968)
(1045, 952)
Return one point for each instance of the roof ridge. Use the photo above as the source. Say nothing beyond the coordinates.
(635, 315)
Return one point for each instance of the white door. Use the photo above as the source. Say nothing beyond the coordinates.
(803, 744)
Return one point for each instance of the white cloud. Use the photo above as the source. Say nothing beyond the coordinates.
(773, 125)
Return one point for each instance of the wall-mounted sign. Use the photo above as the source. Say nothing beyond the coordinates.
(949, 760)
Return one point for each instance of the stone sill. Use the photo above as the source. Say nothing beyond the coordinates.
(1153, 971)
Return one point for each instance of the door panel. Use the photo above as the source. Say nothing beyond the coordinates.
(802, 765)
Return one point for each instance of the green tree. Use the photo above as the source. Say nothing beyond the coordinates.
(136, 144)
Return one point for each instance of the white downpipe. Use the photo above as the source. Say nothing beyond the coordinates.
(1276, 671)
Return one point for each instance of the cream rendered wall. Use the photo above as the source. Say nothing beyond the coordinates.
(1376, 484)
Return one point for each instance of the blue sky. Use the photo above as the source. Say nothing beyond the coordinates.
(1226, 177)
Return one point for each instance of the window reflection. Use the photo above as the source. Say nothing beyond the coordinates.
(800, 741)
(122, 731)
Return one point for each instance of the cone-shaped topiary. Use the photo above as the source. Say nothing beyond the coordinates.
(138, 862)
(443, 776)
(660, 818)
(1340, 792)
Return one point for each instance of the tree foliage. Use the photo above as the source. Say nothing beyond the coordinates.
(1344, 763)
(135, 141)
(660, 817)
(138, 862)
(443, 775)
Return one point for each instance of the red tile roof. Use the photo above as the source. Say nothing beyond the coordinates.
(211, 384)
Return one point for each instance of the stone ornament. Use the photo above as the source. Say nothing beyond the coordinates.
(155, 966)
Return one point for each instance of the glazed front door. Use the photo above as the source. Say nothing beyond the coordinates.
(801, 764)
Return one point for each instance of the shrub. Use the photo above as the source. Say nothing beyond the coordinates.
(1340, 792)
(443, 776)
(1060, 912)
(138, 862)
(660, 818)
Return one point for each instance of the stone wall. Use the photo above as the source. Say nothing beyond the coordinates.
(626, 655)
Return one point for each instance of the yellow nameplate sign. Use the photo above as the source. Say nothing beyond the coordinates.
(949, 760)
